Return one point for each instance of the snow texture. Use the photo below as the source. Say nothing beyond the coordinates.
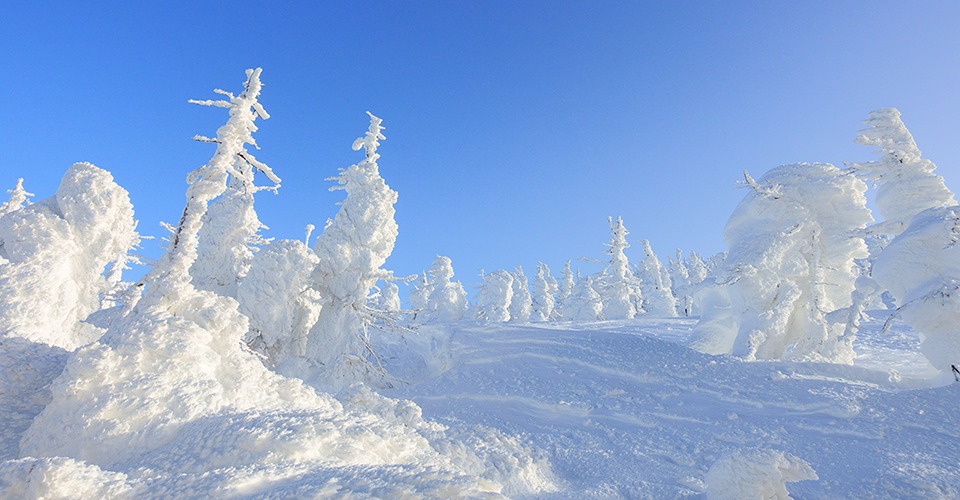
(792, 245)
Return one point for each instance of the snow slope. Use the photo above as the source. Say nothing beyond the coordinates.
(625, 409)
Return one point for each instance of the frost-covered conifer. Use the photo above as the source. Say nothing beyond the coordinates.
(906, 185)
(420, 298)
(792, 244)
(655, 285)
(906, 182)
(521, 303)
(566, 288)
(584, 303)
(697, 268)
(544, 291)
(351, 250)
(18, 197)
(448, 299)
(680, 281)
(230, 229)
(921, 269)
(62, 256)
(495, 297)
(618, 288)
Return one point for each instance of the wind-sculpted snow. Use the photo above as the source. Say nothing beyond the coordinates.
(624, 414)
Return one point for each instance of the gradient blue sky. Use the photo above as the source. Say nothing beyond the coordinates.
(513, 128)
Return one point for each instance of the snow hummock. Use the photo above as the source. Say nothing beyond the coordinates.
(760, 474)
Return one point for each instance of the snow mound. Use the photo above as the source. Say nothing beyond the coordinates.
(760, 474)
(60, 478)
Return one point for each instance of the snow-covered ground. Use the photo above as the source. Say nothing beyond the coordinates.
(559, 410)
(625, 409)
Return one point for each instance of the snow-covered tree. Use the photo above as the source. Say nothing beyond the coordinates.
(521, 302)
(18, 198)
(448, 300)
(351, 251)
(495, 297)
(419, 298)
(544, 291)
(921, 269)
(230, 230)
(655, 285)
(680, 281)
(566, 288)
(584, 303)
(277, 297)
(792, 244)
(61, 257)
(906, 186)
(906, 182)
(618, 288)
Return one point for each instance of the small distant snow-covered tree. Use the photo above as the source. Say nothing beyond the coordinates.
(566, 288)
(447, 300)
(680, 281)
(584, 304)
(18, 198)
(521, 304)
(420, 298)
(655, 285)
(618, 288)
(543, 293)
(792, 245)
(495, 297)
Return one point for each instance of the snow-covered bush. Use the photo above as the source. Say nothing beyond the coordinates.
(495, 296)
(277, 297)
(584, 304)
(655, 285)
(543, 294)
(792, 244)
(62, 256)
(921, 269)
(619, 290)
(521, 302)
(756, 474)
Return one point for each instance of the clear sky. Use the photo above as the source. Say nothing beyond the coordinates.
(514, 128)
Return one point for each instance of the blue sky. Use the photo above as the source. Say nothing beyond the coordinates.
(513, 128)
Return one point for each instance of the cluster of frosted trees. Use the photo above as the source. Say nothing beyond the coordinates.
(806, 258)
(619, 291)
(306, 311)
